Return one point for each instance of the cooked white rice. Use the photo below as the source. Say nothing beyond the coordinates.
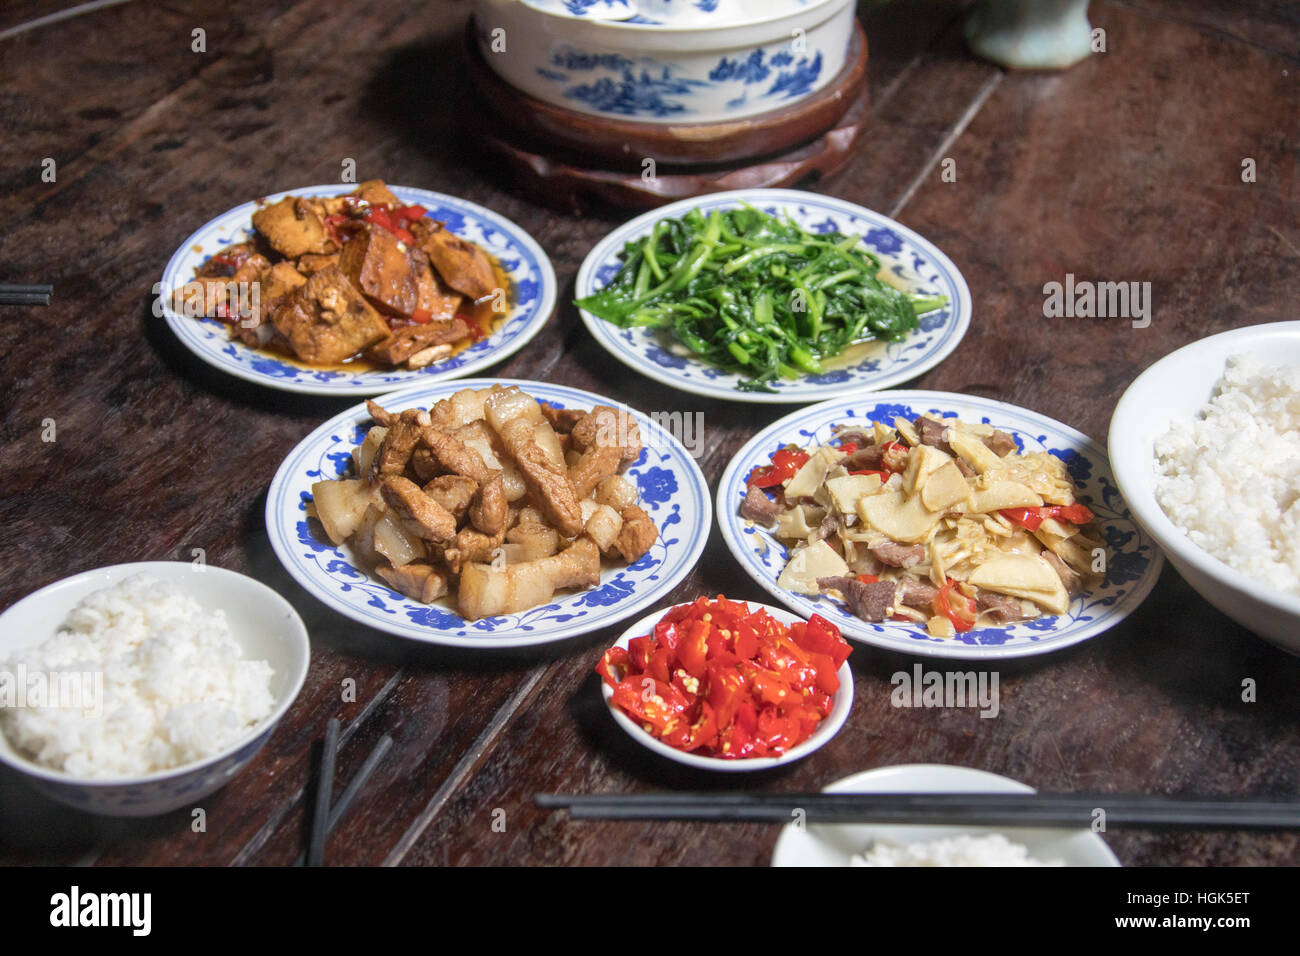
(991, 850)
(175, 688)
(1230, 478)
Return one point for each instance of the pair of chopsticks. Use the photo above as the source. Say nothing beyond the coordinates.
(1072, 810)
(25, 294)
(326, 818)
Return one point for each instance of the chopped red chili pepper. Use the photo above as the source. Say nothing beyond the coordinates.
(716, 678)
(786, 463)
(955, 606)
(1031, 519)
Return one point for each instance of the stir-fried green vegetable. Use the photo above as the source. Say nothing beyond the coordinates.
(756, 293)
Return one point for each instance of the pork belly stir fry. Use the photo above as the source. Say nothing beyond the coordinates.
(490, 499)
(936, 521)
(329, 280)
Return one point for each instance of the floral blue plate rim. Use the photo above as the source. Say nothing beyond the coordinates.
(671, 487)
(533, 295)
(1134, 560)
(911, 257)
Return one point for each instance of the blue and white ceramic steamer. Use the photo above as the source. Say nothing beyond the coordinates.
(666, 61)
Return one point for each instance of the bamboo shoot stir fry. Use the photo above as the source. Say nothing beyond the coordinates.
(936, 521)
(490, 498)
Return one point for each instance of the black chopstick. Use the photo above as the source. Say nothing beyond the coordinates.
(354, 787)
(24, 298)
(15, 294)
(934, 809)
(320, 819)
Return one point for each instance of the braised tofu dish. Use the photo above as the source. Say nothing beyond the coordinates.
(944, 523)
(359, 277)
(490, 499)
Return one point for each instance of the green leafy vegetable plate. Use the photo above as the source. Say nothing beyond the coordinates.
(772, 295)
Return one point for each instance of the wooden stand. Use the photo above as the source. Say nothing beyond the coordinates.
(574, 160)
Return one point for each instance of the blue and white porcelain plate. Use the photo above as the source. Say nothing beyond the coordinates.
(915, 264)
(1133, 561)
(671, 487)
(531, 300)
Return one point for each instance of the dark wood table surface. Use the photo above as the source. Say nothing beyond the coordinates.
(1127, 167)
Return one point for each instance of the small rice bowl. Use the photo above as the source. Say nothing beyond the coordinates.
(1230, 477)
(161, 682)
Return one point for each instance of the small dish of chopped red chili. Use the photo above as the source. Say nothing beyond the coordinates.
(729, 685)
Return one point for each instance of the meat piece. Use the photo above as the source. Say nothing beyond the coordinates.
(381, 415)
(899, 555)
(425, 465)
(894, 457)
(490, 512)
(418, 511)
(916, 592)
(471, 547)
(429, 356)
(463, 408)
(1071, 578)
(593, 467)
(252, 269)
(966, 470)
(855, 436)
(461, 264)
(294, 226)
(376, 193)
(637, 535)
(257, 334)
(326, 320)
(311, 263)
(533, 537)
(518, 421)
(552, 488)
(759, 508)
(454, 455)
(281, 279)
(864, 562)
(379, 265)
(432, 294)
(830, 525)
(1000, 443)
(226, 263)
(869, 602)
(562, 419)
(607, 426)
(866, 458)
(418, 581)
(453, 492)
(1000, 608)
(409, 340)
(399, 443)
(485, 592)
(932, 432)
(202, 297)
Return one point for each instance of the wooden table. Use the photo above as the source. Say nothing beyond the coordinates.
(1128, 167)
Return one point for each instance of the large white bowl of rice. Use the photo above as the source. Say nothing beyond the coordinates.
(137, 689)
(1205, 447)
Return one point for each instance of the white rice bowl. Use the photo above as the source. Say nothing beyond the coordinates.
(164, 684)
(1230, 477)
